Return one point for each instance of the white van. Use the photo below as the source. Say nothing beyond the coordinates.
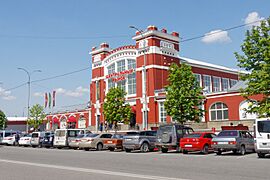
(62, 137)
(262, 136)
(37, 138)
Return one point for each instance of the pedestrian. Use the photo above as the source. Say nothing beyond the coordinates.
(17, 138)
(101, 127)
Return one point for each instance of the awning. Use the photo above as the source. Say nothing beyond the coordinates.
(55, 120)
(71, 119)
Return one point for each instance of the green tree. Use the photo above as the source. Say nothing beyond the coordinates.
(3, 120)
(37, 116)
(256, 60)
(115, 108)
(184, 96)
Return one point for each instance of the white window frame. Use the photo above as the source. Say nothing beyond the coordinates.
(210, 79)
(231, 82)
(161, 118)
(219, 84)
(222, 111)
(198, 76)
(228, 83)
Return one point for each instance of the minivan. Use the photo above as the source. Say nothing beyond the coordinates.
(37, 137)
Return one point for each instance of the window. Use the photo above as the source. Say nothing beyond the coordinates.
(216, 84)
(198, 79)
(131, 64)
(121, 66)
(132, 83)
(233, 82)
(122, 85)
(97, 90)
(111, 84)
(219, 111)
(225, 84)
(207, 83)
(111, 69)
(162, 113)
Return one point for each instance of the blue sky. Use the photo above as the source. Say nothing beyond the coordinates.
(56, 37)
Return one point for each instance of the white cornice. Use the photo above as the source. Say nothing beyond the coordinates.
(156, 33)
(100, 50)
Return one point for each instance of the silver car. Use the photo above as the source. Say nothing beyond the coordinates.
(238, 141)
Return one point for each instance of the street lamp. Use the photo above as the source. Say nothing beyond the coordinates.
(29, 86)
(144, 90)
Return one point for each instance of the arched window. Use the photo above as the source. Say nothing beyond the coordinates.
(63, 122)
(245, 105)
(218, 111)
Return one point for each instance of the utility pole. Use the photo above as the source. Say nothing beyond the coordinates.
(144, 83)
(29, 91)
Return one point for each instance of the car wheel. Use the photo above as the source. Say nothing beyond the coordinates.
(128, 150)
(185, 151)
(99, 147)
(261, 155)
(219, 152)
(242, 150)
(111, 149)
(164, 150)
(205, 149)
(144, 147)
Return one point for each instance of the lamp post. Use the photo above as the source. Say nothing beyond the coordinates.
(29, 88)
(144, 89)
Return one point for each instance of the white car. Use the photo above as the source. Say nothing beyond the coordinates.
(25, 140)
(9, 140)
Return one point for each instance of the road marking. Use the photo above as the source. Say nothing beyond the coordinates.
(95, 171)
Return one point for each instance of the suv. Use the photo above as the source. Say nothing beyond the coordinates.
(140, 140)
(169, 135)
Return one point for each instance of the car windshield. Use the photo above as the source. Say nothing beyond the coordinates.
(92, 135)
(264, 126)
(227, 133)
(117, 136)
(194, 135)
(34, 135)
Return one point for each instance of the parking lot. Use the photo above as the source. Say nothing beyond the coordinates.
(70, 164)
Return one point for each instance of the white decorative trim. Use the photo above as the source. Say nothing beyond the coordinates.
(156, 33)
(153, 66)
(100, 50)
(225, 95)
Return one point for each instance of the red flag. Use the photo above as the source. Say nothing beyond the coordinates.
(54, 98)
(46, 100)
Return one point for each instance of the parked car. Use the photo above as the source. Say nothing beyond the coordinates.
(6, 133)
(169, 135)
(116, 142)
(141, 140)
(233, 140)
(25, 140)
(37, 138)
(198, 141)
(48, 140)
(9, 140)
(94, 142)
(74, 143)
(262, 136)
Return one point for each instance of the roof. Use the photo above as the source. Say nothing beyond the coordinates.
(239, 85)
(202, 64)
(16, 118)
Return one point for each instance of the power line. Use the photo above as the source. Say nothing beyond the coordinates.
(54, 77)
(228, 29)
(16, 87)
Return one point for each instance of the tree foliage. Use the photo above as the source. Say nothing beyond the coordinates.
(256, 60)
(37, 116)
(184, 95)
(3, 120)
(115, 108)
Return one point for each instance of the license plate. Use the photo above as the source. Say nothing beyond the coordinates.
(110, 142)
(46, 140)
(222, 142)
(188, 145)
(128, 139)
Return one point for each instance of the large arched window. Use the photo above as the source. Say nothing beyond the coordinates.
(243, 114)
(120, 76)
(218, 111)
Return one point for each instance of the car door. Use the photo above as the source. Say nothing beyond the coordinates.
(250, 141)
(151, 136)
(207, 139)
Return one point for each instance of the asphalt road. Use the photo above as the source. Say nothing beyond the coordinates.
(20, 163)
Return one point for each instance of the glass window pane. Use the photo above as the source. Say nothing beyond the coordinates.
(213, 115)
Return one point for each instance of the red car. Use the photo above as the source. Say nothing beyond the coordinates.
(198, 141)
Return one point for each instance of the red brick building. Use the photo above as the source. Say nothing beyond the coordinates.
(157, 50)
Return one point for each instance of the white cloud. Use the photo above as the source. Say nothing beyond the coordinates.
(39, 94)
(78, 92)
(6, 95)
(216, 36)
(253, 17)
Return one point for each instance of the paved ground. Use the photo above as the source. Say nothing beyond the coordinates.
(19, 163)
